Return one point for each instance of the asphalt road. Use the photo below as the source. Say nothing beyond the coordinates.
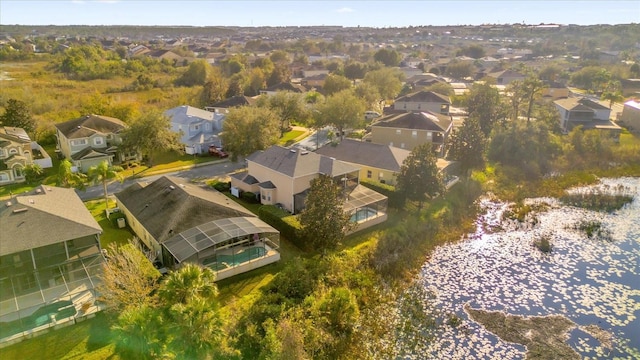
(202, 172)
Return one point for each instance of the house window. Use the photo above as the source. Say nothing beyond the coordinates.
(4, 177)
(264, 197)
(207, 127)
(18, 171)
(402, 145)
(78, 142)
(369, 174)
(98, 141)
(391, 143)
(398, 132)
(380, 175)
(414, 134)
(429, 135)
(405, 105)
(13, 151)
(197, 127)
(2, 153)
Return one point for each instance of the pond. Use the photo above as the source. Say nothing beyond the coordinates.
(594, 283)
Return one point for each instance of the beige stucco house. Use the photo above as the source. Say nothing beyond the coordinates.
(282, 176)
(15, 154)
(408, 130)
(91, 139)
(423, 101)
(588, 113)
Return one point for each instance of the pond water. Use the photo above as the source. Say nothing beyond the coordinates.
(588, 281)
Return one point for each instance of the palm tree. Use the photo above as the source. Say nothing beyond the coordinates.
(104, 172)
(68, 178)
(190, 282)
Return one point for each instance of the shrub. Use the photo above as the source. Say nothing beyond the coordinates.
(222, 186)
(543, 244)
(249, 197)
(287, 224)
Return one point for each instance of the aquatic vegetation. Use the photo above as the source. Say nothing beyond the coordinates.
(543, 243)
(603, 198)
(593, 229)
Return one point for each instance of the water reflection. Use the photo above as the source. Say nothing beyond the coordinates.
(588, 281)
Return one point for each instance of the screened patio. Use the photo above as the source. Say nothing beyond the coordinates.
(367, 207)
(228, 246)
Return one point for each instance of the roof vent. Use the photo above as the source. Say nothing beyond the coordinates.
(16, 211)
(31, 201)
(8, 203)
(304, 152)
(38, 191)
(172, 187)
(182, 186)
(293, 150)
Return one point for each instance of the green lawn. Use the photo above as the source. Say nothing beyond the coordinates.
(291, 136)
(110, 232)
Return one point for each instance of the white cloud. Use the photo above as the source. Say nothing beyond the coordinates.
(345, 10)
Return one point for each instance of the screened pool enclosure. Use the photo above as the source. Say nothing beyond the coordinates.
(228, 246)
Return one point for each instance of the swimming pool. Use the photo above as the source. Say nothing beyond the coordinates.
(363, 214)
(221, 261)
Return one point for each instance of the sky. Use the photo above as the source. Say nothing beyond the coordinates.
(379, 14)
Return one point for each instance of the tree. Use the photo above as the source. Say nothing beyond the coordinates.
(249, 129)
(419, 177)
(467, 144)
(343, 110)
(324, 221)
(388, 57)
(189, 302)
(33, 172)
(102, 173)
(280, 74)
(550, 73)
(474, 51)
(128, 278)
(531, 87)
(288, 106)
(149, 134)
(459, 69)
(612, 93)
(355, 70)
(335, 83)
(17, 114)
(197, 74)
(67, 178)
(388, 82)
(215, 89)
(370, 95)
(138, 333)
(483, 103)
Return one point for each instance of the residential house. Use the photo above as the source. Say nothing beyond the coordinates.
(183, 222)
(91, 139)
(284, 86)
(630, 117)
(555, 91)
(50, 261)
(410, 129)
(282, 176)
(315, 81)
(377, 162)
(423, 101)
(198, 128)
(164, 55)
(15, 154)
(234, 101)
(506, 77)
(588, 113)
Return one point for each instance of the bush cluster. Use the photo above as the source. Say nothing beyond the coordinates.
(284, 222)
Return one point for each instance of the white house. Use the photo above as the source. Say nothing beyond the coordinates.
(198, 128)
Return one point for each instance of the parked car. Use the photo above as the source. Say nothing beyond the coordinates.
(370, 115)
(218, 152)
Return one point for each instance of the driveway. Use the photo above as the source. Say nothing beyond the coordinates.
(200, 173)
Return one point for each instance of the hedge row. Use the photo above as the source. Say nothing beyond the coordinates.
(395, 198)
(287, 224)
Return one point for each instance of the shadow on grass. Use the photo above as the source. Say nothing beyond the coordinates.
(99, 332)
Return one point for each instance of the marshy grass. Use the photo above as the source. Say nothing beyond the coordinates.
(543, 243)
(603, 198)
(593, 229)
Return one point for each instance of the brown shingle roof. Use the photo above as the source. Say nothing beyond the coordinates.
(424, 96)
(170, 205)
(296, 163)
(90, 124)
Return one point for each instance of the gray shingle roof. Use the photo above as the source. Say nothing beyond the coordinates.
(88, 153)
(424, 96)
(46, 215)
(296, 163)
(366, 154)
(170, 205)
(416, 120)
(90, 124)
(188, 114)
